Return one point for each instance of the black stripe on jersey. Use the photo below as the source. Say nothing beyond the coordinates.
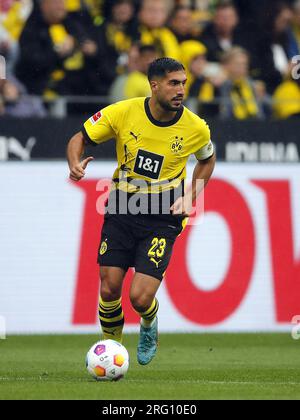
(164, 123)
(87, 139)
(138, 182)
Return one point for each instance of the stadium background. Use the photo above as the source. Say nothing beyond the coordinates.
(238, 270)
(229, 306)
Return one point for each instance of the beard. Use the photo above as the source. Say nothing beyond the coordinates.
(167, 106)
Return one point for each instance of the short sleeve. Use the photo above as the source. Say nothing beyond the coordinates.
(99, 128)
(207, 149)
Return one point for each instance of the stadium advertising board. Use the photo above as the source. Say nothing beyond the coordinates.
(236, 141)
(236, 270)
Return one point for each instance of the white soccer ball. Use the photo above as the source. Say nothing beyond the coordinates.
(107, 360)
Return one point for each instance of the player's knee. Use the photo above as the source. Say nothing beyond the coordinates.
(108, 295)
(140, 302)
(109, 291)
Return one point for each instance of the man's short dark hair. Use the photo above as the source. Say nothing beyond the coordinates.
(162, 66)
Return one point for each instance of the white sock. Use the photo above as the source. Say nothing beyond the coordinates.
(147, 324)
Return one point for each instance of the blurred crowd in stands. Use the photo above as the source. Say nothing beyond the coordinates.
(239, 55)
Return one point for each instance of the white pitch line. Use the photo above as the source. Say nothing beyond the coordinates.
(180, 381)
(202, 382)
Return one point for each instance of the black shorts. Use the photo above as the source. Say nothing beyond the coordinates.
(144, 242)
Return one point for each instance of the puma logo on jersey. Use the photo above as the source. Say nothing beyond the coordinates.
(133, 135)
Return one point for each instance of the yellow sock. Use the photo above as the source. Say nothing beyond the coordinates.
(149, 316)
(111, 318)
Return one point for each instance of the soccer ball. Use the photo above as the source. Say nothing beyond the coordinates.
(107, 360)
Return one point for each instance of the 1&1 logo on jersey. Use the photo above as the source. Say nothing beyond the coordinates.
(148, 164)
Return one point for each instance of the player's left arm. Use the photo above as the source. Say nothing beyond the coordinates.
(206, 160)
(202, 172)
(201, 175)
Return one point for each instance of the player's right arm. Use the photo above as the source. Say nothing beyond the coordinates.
(97, 129)
(75, 151)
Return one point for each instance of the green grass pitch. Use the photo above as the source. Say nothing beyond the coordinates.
(187, 366)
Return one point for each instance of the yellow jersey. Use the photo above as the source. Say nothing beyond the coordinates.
(152, 152)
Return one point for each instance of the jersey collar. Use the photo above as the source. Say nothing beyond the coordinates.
(162, 123)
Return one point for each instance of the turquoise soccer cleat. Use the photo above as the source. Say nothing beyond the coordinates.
(148, 343)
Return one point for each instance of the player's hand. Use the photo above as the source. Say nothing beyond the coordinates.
(77, 172)
(183, 206)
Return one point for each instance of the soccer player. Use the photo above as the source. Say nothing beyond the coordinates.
(154, 139)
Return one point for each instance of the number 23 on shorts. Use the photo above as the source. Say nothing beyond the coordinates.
(158, 248)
